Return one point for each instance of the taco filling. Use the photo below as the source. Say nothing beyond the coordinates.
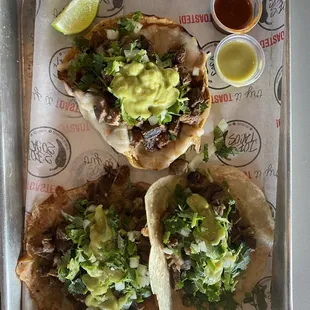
(97, 250)
(205, 244)
(139, 80)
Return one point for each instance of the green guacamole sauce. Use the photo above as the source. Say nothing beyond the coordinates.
(145, 89)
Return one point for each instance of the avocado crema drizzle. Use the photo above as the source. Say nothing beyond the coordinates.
(153, 95)
(206, 245)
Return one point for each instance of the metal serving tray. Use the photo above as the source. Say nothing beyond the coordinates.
(16, 51)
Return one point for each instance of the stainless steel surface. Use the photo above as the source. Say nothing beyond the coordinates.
(300, 94)
(11, 293)
(11, 176)
(281, 267)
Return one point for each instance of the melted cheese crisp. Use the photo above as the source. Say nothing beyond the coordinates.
(165, 38)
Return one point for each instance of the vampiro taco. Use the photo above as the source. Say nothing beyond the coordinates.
(84, 247)
(141, 81)
(211, 232)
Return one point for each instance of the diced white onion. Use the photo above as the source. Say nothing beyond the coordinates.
(195, 248)
(153, 120)
(195, 71)
(138, 26)
(167, 251)
(133, 235)
(86, 223)
(142, 270)
(223, 125)
(134, 262)
(120, 286)
(145, 58)
(185, 232)
(112, 34)
(133, 296)
(91, 208)
(202, 247)
(195, 162)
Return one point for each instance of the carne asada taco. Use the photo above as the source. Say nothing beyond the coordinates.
(141, 81)
(84, 247)
(211, 232)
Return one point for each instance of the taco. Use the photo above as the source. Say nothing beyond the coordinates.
(84, 248)
(211, 232)
(141, 81)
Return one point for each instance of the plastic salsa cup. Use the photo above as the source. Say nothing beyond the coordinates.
(257, 9)
(235, 60)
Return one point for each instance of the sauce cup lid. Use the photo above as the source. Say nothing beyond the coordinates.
(260, 55)
(256, 15)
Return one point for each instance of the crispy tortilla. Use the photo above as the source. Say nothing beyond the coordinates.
(48, 292)
(189, 134)
(253, 208)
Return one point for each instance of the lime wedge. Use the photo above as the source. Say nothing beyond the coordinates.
(76, 17)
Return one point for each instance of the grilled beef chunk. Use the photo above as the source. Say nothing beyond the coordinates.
(137, 137)
(178, 167)
(185, 75)
(162, 140)
(175, 277)
(105, 111)
(196, 95)
(189, 119)
(180, 55)
(175, 126)
(197, 181)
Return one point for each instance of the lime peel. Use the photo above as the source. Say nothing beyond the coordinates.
(76, 17)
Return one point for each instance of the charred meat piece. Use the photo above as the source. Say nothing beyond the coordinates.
(174, 126)
(186, 264)
(175, 277)
(195, 96)
(136, 137)
(61, 242)
(178, 167)
(189, 119)
(185, 75)
(248, 237)
(162, 140)
(180, 55)
(197, 181)
(150, 134)
(146, 44)
(113, 117)
(105, 111)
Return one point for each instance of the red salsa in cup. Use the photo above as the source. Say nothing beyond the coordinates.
(234, 14)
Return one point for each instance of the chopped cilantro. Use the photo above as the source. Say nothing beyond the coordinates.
(222, 150)
(129, 25)
(207, 284)
(81, 43)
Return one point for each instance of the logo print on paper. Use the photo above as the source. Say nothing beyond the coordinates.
(273, 14)
(246, 139)
(109, 8)
(260, 298)
(90, 166)
(49, 152)
(278, 86)
(215, 81)
(56, 60)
